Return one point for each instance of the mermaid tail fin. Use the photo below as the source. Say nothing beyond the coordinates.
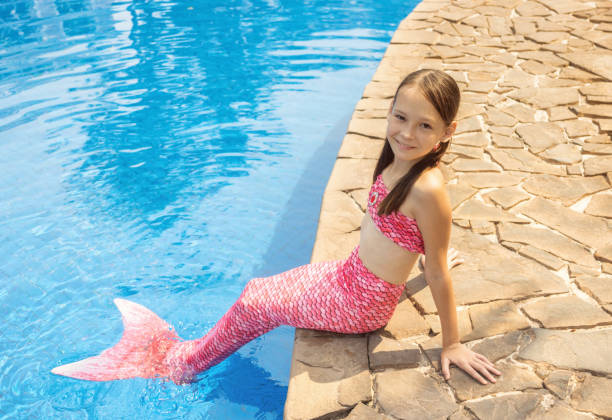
(141, 352)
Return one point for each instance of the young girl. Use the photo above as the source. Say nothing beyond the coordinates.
(408, 214)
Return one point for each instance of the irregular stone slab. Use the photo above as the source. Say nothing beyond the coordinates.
(579, 128)
(594, 395)
(480, 86)
(535, 67)
(491, 179)
(339, 210)
(598, 88)
(516, 78)
(356, 146)
(542, 98)
(566, 6)
(406, 322)
(605, 124)
(474, 165)
(522, 160)
(593, 111)
(415, 37)
(547, 38)
(563, 153)
(351, 174)
(560, 410)
(371, 127)
(600, 204)
(454, 14)
(576, 270)
(597, 165)
(580, 350)
(331, 243)
(482, 226)
(408, 394)
(541, 135)
(361, 198)
(583, 228)
(467, 125)
(597, 149)
(459, 192)
(473, 139)
(378, 90)
(363, 412)
(513, 378)
(605, 253)
(323, 364)
(491, 273)
(506, 141)
(566, 312)
(464, 323)
(599, 287)
(558, 382)
(497, 348)
(568, 190)
(495, 318)
(506, 407)
(474, 209)
(547, 240)
(560, 113)
(366, 104)
(541, 256)
(470, 152)
(598, 61)
(467, 110)
(507, 197)
(522, 113)
(389, 353)
(546, 57)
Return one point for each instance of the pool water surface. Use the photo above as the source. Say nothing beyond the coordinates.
(164, 152)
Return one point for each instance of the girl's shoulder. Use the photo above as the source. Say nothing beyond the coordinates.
(431, 181)
(428, 191)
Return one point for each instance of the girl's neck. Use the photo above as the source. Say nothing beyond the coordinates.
(397, 169)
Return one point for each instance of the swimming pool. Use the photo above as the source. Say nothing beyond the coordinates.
(165, 152)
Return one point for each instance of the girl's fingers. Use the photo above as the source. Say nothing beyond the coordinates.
(488, 363)
(485, 371)
(469, 369)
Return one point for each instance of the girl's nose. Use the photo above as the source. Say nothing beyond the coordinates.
(408, 132)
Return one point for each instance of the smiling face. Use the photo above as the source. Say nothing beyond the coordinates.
(415, 126)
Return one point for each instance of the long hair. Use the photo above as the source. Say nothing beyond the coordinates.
(443, 93)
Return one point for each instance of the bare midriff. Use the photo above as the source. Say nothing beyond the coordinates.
(382, 256)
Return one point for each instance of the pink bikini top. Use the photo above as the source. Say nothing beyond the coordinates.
(396, 226)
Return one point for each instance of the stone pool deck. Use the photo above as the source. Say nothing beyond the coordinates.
(529, 174)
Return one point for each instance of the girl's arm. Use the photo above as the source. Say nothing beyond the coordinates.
(433, 214)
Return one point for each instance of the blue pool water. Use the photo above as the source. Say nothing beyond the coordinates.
(165, 152)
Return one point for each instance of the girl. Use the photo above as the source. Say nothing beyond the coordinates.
(408, 215)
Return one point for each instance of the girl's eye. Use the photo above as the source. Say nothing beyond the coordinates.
(399, 117)
(426, 125)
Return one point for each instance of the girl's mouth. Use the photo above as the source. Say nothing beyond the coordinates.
(403, 146)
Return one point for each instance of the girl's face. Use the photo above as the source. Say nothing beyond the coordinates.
(414, 126)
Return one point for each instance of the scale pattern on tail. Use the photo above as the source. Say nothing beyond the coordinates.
(339, 296)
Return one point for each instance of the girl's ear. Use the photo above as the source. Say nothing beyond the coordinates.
(448, 133)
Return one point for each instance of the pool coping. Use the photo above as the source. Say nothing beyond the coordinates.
(538, 62)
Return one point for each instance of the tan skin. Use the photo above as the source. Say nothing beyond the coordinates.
(414, 128)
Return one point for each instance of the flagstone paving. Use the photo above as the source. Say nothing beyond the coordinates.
(528, 174)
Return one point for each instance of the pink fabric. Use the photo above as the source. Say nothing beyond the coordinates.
(340, 296)
(396, 226)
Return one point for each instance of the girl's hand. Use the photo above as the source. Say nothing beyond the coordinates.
(471, 362)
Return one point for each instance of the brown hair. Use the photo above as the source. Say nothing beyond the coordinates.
(443, 93)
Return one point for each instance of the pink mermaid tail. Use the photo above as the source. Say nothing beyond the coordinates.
(140, 352)
(339, 296)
